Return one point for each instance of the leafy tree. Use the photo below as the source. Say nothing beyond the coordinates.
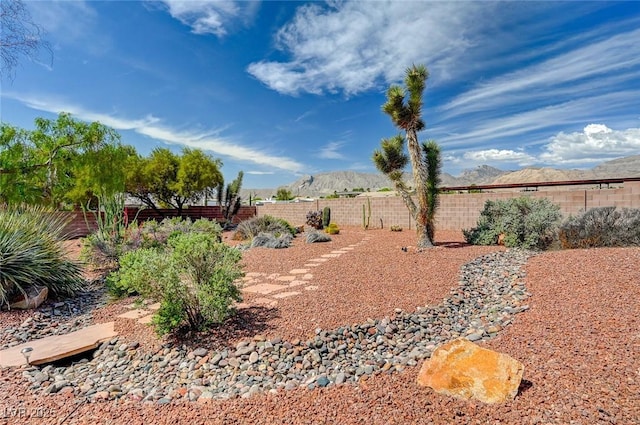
(425, 158)
(61, 162)
(20, 36)
(229, 199)
(283, 194)
(171, 181)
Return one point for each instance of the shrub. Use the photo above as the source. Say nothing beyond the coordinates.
(524, 222)
(315, 236)
(314, 219)
(31, 254)
(332, 229)
(269, 240)
(396, 228)
(249, 229)
(193, 278)
(601, 227)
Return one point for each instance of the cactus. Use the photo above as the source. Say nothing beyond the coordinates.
(326, 216)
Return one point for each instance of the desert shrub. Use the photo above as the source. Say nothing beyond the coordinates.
(269, 240)
(332, 229)
(32, 255)
(249, 229)
(193, 278)
(524, 222)
(314, 219)
(315, 236)
(601, 227)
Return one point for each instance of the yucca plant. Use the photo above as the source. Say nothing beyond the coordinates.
(31, 253)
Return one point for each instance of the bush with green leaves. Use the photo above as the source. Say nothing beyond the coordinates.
(249, 229)
(32, 254)
(193, 278)
(601, 227)
(524, 222)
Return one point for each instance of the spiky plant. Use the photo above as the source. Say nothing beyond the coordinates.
(31, 253)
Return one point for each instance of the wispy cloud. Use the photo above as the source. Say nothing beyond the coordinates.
(260, 173)
(331, 151)
(152, 127)
(211, 17)
(351, 47)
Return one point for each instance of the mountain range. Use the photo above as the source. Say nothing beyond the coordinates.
(323, 184)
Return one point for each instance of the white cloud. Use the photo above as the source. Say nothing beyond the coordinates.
(211, 17)
(595, 143)
(260, 173)
(150, 126)
(353, 46)
(499, 155)
(330, 151)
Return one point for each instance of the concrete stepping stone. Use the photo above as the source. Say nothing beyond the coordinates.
(307, 276)
(311, 288)
(286, 278)
(348, 248)
(319, 260)
(264, 288)
(154, 307)
(56, 347)
(253, 274)
(330, 255)
(134, 314)
(297, 283)
(312, 265)
(286, 294)
(339, 252)
(146, 319)
(267, 302)
(298, 271)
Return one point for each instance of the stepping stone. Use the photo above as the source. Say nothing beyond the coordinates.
(330, 255)
(134, 314)
(146, 319)
(307, 276)
(311, 288)
(264, 288)
(154, 307)
(312, 265)
(319, 260)
(286, 278)
(286, 294)
(268, 302)
(254, 274)
(348, 248)
(297, 283)
(56, 347)
(338, 252)
(298, 271)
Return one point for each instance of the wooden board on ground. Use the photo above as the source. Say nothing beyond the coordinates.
(56, 347)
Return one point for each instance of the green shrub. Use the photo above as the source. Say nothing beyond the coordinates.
(32, 255)
(193, 278)
(601, 227)
(524, 222)
(248, 229)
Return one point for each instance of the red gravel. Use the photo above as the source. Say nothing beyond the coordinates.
(579, 342)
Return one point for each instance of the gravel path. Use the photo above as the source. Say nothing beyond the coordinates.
(579, 341)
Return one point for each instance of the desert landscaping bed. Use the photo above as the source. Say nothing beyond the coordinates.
(579, 341)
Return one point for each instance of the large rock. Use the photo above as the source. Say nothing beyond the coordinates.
(462, 369)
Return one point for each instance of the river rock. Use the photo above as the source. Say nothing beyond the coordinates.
(462, 369)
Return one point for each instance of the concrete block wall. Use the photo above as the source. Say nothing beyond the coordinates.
(456, 211)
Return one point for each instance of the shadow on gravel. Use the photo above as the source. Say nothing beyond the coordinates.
(456, 244)
(524, 386)
(244, 325)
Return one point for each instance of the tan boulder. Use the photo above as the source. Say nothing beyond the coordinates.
(462, 369)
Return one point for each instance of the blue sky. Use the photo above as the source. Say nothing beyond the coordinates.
(284, 89)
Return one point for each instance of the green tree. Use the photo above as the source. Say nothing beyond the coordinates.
(229, 199)
(405, 112)
(283, 194)
(167, 180)
(61, 162)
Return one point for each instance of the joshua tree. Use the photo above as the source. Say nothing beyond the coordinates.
(425, 158)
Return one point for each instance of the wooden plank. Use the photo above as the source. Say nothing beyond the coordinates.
(56, 347)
